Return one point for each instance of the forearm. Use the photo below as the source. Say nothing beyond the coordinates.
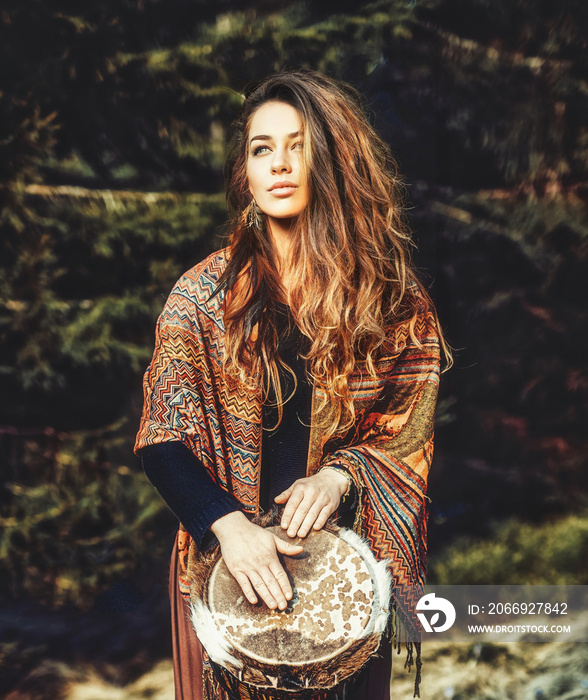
(186, 486)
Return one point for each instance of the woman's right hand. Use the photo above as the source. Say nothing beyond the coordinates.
(251, 555)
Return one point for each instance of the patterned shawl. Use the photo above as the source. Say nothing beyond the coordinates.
(187, 397)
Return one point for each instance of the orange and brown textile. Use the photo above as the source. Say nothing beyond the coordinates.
(188, 397)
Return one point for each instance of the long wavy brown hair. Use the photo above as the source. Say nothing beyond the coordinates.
(351, 271)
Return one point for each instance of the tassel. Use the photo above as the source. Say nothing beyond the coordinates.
(409, 660)
(413, 650)
(419, 664)
(208, 689)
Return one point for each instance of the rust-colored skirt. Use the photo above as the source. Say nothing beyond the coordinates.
(188, 663)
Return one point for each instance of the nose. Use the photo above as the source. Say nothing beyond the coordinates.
(280, 161)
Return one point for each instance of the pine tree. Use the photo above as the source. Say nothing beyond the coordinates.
(114, 127)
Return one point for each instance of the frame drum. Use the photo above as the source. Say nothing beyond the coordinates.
(319, 644)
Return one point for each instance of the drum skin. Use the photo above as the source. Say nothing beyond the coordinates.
(322, 639)
(330, 608)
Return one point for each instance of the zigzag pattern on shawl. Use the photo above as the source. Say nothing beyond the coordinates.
(393, 521)
(185, 398)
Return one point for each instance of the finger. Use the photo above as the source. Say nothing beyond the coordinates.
(309, 519)
(283, 582)
(284, 496)
(248, 591)
(299, 515)
(274, 584)
(288, 548)
(294, 501)
(262, 589)
(322, 518)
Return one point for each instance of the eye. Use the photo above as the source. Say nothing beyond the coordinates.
(299, 145)
(259, 149)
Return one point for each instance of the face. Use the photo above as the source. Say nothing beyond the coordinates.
(275, 162)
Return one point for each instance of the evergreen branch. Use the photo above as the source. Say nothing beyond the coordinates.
(534, 63)
(111, 196)
(452, 212)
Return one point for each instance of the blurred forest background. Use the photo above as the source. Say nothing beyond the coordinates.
(114, 117)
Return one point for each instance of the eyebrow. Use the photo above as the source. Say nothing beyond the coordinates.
(265, 137)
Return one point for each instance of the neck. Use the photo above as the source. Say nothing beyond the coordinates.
(281, 231)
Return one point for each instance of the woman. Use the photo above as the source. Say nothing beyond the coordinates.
(300, 365)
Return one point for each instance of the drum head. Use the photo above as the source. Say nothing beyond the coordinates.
(330, 609)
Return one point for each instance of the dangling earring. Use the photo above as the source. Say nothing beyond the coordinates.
(253, 215)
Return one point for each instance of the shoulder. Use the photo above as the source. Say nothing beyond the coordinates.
(195, 294)
(416, 324)
(198, 285)
(200, 282)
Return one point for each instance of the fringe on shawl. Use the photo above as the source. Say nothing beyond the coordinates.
(395, 630)
(394, 634)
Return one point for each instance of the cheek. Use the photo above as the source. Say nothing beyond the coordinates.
(251, 180)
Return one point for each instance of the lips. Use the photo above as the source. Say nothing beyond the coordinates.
(283, 188)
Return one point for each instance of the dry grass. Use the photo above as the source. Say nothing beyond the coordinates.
(155, 685)
(513, 671)
(452, 671)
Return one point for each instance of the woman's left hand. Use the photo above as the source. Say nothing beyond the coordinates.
(310, 501)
